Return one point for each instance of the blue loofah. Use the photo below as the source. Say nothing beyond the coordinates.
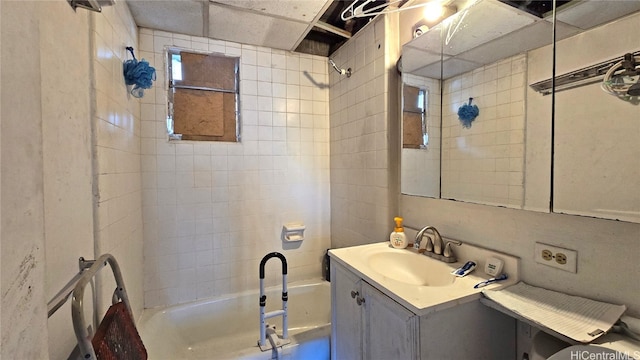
(139, 74)
(467, 113)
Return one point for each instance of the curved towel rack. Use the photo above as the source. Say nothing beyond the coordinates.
(75, 288)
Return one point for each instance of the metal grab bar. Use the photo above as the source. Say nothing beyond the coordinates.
(75, 287)
(63, 295)
(77, 313)
(263, 302)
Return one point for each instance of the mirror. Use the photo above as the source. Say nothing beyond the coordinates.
(494, 63)
(596, 167)
(480, 66)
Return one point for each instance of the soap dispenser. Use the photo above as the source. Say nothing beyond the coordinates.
(398, 238)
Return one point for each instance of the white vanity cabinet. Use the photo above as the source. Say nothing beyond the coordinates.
(369, 325)
(366, 324)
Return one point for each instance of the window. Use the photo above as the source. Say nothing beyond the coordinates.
(415, 131)
(203, 97)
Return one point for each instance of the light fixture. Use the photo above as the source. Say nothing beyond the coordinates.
(433, 11)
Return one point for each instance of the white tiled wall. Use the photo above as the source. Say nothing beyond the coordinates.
(420, 168)
(361, 209)
(117, 151)
(485, 163)
(212, 210)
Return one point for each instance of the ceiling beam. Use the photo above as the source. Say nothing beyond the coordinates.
(333, 29)
(312, 23)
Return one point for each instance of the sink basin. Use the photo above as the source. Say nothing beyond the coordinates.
(418, 282)
(411, 268)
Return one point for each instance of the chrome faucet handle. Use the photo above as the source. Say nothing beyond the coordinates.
(448, 252)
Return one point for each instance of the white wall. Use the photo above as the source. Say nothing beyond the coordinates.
(49, 183)
(67, 159)
(212, 210)
(24, 322)
(362, 140)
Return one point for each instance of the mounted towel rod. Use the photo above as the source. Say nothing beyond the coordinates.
(63, 295)
(75, 287)
(580, 77)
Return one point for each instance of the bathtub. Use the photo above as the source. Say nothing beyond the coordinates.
(227, 327)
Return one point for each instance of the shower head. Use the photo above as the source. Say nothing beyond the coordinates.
(339, 70)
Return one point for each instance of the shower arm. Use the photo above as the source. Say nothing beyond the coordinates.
(339, 70)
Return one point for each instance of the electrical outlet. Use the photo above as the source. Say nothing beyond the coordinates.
(561, 258)
(556, 257)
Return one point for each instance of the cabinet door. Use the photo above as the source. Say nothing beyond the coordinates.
(391, 331)
(346, 318)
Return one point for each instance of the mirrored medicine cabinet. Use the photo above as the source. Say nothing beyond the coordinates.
(571, 149)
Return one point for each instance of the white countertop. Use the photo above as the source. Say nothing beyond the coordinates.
(422, 299)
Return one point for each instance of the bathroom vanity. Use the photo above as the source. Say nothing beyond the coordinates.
(397, 304)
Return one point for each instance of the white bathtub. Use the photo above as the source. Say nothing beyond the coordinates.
(228, 327)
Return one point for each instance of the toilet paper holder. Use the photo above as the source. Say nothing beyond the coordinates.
(293, 232)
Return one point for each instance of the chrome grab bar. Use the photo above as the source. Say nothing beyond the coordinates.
(63, 295)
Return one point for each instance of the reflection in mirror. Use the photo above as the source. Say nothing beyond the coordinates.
(597, 135)
(500, 64)
(415, 134)
(420, 161)
(483, 163)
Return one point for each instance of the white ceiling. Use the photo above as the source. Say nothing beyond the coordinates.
(276, 24)
(284, 24)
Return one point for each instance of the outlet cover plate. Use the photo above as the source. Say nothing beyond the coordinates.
(571, 264)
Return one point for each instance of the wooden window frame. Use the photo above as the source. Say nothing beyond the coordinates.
(415, 127)
(231, 131)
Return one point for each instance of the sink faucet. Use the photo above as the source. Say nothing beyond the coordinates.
(435, 247)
